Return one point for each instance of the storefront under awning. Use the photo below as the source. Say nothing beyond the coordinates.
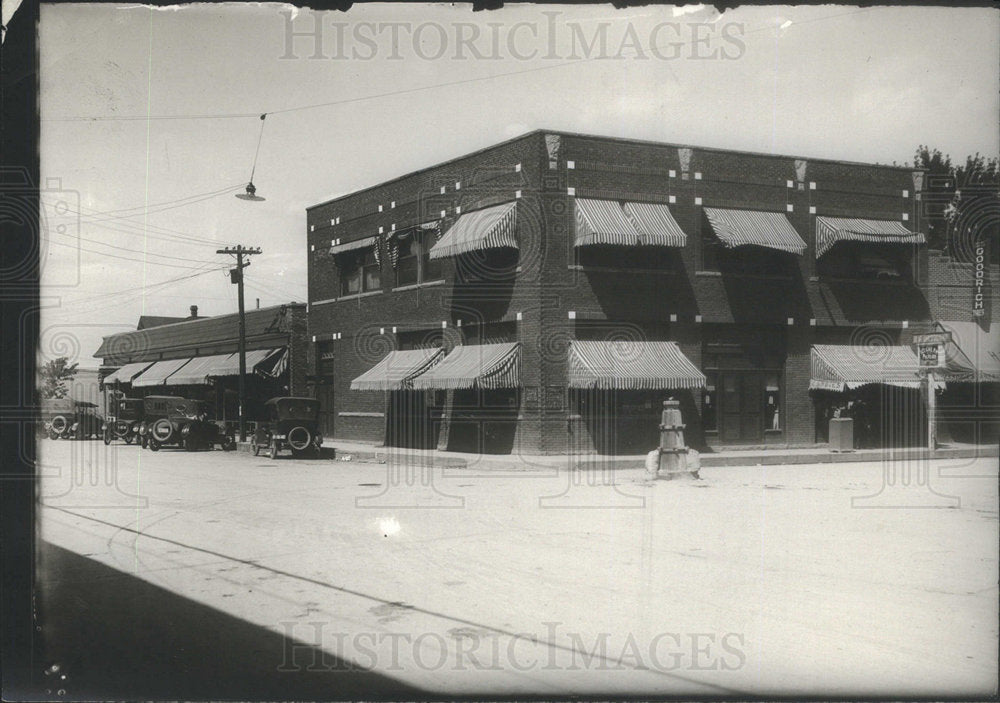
(489, 366)
(397, 370)
(830, 230)
(490, 228)
(631, 365)
(846, 367)
(127, 372)
(736, 228)
(157, 374)
(973, 355)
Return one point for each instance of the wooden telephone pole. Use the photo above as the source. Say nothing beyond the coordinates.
(236, 276)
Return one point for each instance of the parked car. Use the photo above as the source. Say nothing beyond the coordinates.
(154, 407)
(65, 418)
(291, 422)
(189, 425)
(124, 420)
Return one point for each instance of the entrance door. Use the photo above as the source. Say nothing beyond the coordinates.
(741, 405)
(324, 393)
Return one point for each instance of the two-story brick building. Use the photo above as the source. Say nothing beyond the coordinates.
(544, 295)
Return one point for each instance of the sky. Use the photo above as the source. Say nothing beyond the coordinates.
(151, 118)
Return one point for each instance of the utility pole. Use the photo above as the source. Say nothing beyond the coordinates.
(236, 276)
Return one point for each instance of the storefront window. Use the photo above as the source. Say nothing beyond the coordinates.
(709, 403)
(772, 396)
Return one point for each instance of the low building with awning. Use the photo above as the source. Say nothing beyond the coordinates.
(198, 357)
(738, 228)
(396, 371)
(489, 228)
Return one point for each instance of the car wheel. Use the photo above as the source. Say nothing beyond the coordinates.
(128, 439)
(273, 450)
(228, 444)
(107, 436)
(153, 444)
(256, 449)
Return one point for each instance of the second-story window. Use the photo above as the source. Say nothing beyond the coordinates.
(413, 263)
(863, 261)
(359, 272)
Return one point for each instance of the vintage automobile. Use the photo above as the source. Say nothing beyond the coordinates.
(188, 424)
(65, 418)
(154, 407)
(124, 420)
(291, 422)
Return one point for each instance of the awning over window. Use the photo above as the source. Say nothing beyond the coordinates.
(603, 222)
(490, 228)
(352, 246)
(478, 366)
(157, 374)
(656, 224)
(255, 358)
(127, 372)
(197, 371)
(631, 365)
(830, 230)
(397, 370)
(846, 367)
(736, 228)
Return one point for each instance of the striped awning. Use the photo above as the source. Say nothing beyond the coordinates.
(604, 222)
(973, 354)
(656, 224)
(476, 366)
(352, 246)
(197, 371)
(830, 230)
(631, 365)
(157, 374)
(231, 366)
(846, 367)
(396, 371)
(490, 228)
(127, 372)
(736, 228)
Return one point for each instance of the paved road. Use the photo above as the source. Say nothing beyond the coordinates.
(751, 580)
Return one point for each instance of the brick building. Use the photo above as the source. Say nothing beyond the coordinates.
(544, 295)
(197, 357)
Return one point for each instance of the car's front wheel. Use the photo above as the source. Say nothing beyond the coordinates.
(108, 435)
(153, 444)
(273, 449)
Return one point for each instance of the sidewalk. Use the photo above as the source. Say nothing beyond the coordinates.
(342, 450)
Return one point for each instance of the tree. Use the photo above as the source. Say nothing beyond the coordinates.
(55, 374)
(950, 189)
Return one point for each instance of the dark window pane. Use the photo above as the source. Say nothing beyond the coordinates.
(373, 278)
(406, 271)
